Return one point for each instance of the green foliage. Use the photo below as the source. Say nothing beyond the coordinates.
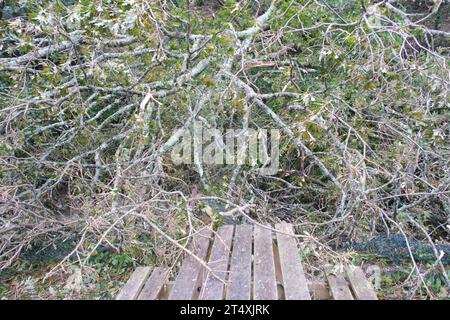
(368, 103)
(437, 283)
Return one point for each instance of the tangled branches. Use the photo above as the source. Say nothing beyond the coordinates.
(93, 98)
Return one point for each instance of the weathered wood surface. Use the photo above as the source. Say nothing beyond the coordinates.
(319, 290)
(214, 286)
(338, 285)
(131, 289)
(154, 284)
(264, 281)
(189, 276)
(361, 287)
(240, 278)
(294, 280)
(247, 264)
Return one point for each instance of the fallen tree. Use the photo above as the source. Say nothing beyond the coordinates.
(93, 97)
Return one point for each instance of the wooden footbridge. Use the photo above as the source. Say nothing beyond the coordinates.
(248, 262)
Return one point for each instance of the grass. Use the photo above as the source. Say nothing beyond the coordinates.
(101, 278)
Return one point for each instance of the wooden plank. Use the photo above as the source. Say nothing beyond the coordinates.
(338, 285)
(240, 277)
(361, 287)
(294, 280)
(319, 290)
(154, 284)
(189, 274)
(213, 288)
(131, 289)
(264, 281)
